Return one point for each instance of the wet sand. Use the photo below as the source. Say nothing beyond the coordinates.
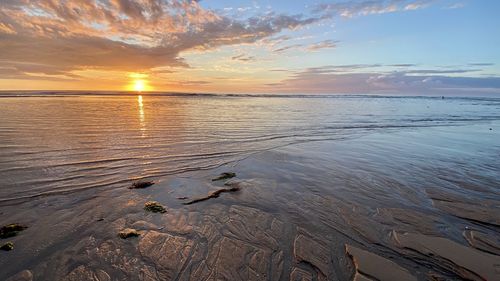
(419, 204)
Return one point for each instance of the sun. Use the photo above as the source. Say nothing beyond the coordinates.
(139, 85)
(138, 82)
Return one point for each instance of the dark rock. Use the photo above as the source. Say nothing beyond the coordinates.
(128, 232)
(214, 194)
(182, 197)
(7, 246)
(141, 184)
(11, 230)
(224, 176)
(155, 207)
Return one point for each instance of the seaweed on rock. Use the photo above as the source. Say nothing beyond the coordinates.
(11, 230)
(9, 246)
(155, 207)
(214, 194)
(225, 176)
(141, 184)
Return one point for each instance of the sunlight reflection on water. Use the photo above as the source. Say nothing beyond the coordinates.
(141, 116)
(51, 144)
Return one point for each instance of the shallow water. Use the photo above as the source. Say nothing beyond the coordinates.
(316, 173)
(53, 144)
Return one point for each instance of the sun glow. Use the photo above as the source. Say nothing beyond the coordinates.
(139, 85)
(139, 82)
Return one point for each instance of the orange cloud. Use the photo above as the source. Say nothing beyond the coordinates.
(53, 38)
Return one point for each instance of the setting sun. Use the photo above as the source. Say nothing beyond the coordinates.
(139, 85)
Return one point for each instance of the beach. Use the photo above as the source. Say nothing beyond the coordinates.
(324, 188)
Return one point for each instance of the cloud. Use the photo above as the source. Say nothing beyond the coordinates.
(403, 81)
(85, 52)
(440, 71)
(280, 70)
(7, 72)
(369, 7)
(403, 65)
(327, 44)
(243, 57)
(363, 79)
(276, 40)
(6, 28)
(346, 68)
(186, 83)
(282, 49)
(127, 35)
(481, 64)
(417, 5)
(457, 5)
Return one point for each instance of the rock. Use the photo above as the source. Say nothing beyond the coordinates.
(9, 246)
(225, 176)
(182, 197)
(466, 262)
(371, 266)
(141, 184)
(307, 250)
(155, 207)
(214, 194)
(25, 275)
(128, 232)
(11, 230)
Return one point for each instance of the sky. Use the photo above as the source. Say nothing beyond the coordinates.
(414, 47)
